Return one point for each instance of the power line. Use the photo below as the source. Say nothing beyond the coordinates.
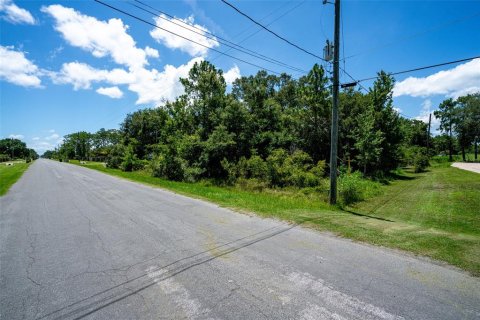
(356, 81)
(176, 34)
(209, 35)
(423, 68)
(258, 30)
(270, 31)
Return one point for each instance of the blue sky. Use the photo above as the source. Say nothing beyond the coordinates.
(67, 66)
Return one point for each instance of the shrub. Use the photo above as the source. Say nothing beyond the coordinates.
(277, 172)
(130, 162)
(353, 188)
(257, 168)
(293, 170)
(232, 170)
(420, 162)
(115, 157)
(350, 189)
(4, 157)
(302, 179)
(168, 166)
(319, 169)
(192, 174)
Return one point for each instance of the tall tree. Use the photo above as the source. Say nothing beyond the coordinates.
(387, 121)
(447, 114)
(468, 122)
(314, 97)
(368, 141)
(205, 93)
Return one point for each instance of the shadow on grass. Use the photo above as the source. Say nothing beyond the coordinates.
(366, 215)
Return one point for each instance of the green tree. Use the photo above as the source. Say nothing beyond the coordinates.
(468, 122)
(205, 94)
(387, 122)
(369, 142)
(447, 114)
(315, 102)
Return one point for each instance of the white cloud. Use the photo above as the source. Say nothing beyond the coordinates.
(425, 114)
(151, 52)
(17, 69)
(112, 92)
(101, 38)
(16, 136)
(454, 82)
(53, 136)
(49, 142)
(81, 75)
(231, 75)
(151, 86)
(14, 14)
(111, 38)
(42, 146)
(175, 42)
(155, 87)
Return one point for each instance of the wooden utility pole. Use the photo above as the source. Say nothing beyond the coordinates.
(334, 132)
(428, 134)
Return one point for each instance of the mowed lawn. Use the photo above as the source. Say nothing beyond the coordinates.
(434, 214)
(10, 174)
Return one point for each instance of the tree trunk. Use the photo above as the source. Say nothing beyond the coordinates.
(463, 154)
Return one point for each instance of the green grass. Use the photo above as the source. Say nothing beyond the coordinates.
(434, 214)
(10, 174)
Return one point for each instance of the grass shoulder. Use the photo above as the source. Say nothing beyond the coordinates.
(434, 214)
(9, 174)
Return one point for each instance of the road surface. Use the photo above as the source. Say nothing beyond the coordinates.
(78, 244)
(470, 166)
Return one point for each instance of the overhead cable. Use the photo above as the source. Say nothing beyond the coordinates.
(272, 32)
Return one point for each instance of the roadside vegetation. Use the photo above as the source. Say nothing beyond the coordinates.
(9, 174)
(15, 159)
(15, 149)
(264, 147)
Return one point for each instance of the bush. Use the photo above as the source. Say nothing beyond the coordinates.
(169, 166)
(277, 171)
(257, 168)
(4, 157)
(130, 162)
(420, 162)
(192, 174)
(293, 170)
(115, 158)
(349, 188)
(353, 188)
(253, 168)
(319, 169)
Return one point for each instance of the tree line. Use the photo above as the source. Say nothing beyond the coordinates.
(460, 122)
(271, 129)
(12, 149)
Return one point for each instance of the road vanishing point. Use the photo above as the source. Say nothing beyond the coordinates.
(78, 244)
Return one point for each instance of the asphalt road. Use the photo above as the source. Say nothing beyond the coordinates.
(78, 244)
